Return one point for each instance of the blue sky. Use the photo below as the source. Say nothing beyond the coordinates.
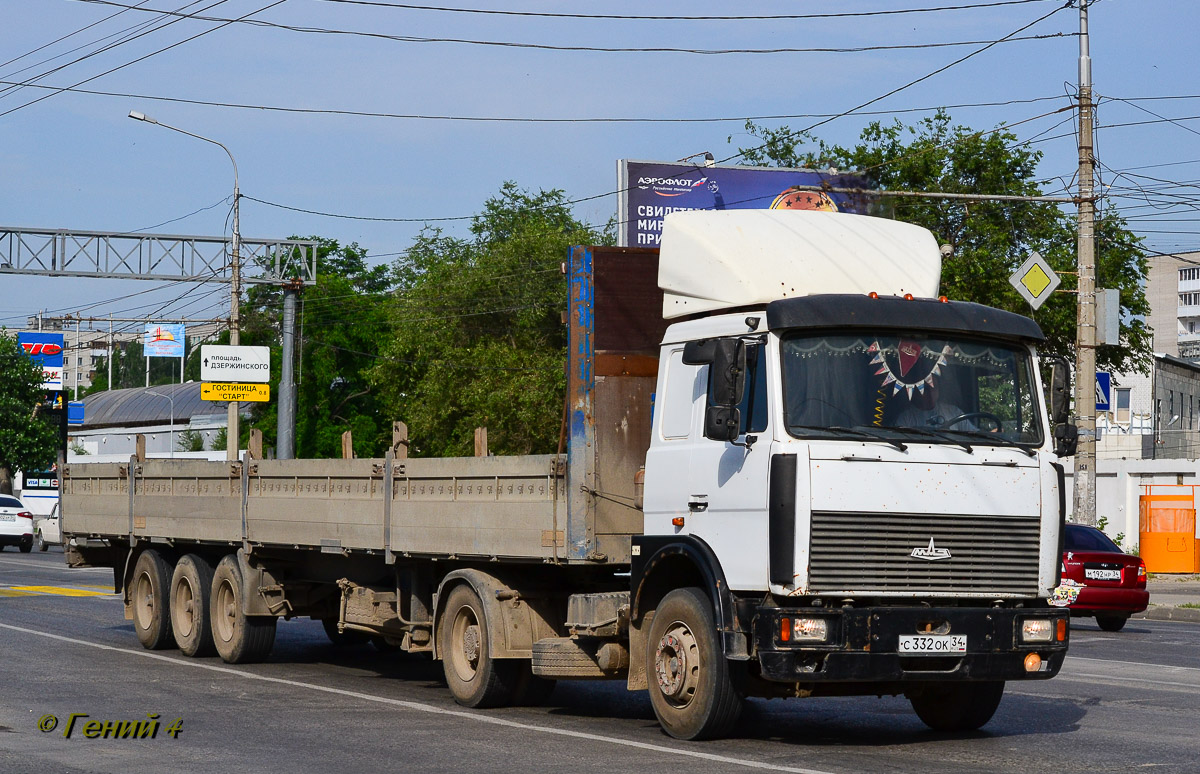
(75, 161)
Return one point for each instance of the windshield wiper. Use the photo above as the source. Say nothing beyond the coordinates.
(852, 431)
(933, 434)
(997, 439)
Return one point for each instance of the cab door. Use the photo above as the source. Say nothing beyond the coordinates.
(727, 492)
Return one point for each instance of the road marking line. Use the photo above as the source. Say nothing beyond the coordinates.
(418, 707)
(61, 591)
(1132, 663)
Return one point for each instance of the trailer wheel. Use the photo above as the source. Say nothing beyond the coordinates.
(149, 597)
(475, 678)
(691, 687)
(191, 589)
(239, 638)
(956, 706)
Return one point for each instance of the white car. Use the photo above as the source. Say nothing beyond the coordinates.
(46, 530)
(16, 524)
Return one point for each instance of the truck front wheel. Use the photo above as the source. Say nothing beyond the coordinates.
(956, 706)
(239, 638)
(149, 597)
(691, 688)
(475, 678)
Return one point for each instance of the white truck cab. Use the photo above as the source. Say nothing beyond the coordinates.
(869, 468)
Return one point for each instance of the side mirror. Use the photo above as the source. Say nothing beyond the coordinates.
(1066, 439)
(726, 359)
(1060, 391)
(728, 372)
(722, 423)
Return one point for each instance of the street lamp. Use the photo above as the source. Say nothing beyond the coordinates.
(172, 400)
(233, 431)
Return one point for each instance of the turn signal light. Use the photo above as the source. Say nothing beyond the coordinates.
(1060, 630)
(872, 294)
(677, 521)
(908, 296)
(943, 299)
(1033, 662)
(1142, 570)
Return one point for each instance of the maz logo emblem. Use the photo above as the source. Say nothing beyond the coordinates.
(931, 553)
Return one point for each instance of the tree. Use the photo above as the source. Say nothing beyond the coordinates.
(27, 440)
(989, 240)
(477, 338)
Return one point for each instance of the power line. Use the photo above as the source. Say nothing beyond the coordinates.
(146, 56)
(620, 17)
(516, 119)
(599, 49)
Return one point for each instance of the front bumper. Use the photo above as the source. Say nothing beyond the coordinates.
(863, 645)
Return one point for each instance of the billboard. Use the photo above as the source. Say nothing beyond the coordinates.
(163, 340)
(649, 190)
(46, 349)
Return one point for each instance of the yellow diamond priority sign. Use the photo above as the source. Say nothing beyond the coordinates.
(239, 392)
(1035, 280)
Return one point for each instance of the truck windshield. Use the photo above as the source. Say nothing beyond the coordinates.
(910, 387)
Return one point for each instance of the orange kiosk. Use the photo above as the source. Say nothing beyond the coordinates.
(1167, 532)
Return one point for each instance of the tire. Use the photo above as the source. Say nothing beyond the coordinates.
(347, 639)
(39, 542)
(1111, 623)
(239, 638)
(474, 677)
(191, 591)
(691, 685)
(956, 707)
(149, 594)
(27, 545)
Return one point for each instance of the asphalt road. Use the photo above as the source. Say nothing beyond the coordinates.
(1124, 701)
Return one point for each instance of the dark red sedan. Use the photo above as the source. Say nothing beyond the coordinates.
(1112, 583)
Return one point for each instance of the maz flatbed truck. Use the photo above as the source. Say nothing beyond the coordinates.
(820, 480)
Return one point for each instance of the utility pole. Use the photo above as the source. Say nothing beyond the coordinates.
(235, 317)
(286, 427)
(1084, 481)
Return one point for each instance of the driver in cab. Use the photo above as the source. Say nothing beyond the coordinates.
(926, 409)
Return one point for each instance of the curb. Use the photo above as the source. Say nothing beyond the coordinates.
(1167, 613)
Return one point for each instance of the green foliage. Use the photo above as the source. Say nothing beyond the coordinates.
(340, 323)
(477, 338)
(221, 439)
(989, 239)
(27, 440)
(190, 441)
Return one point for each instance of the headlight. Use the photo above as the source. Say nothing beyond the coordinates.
(804, 630)
(1037, 630)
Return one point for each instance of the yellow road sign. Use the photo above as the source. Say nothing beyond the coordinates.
(1035, 280)
(240, 392)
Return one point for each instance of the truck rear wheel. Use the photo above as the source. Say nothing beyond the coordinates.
(191, 589)
(149, 597)
(239, 638)
(691, 688)
(956, 706)
(474, 677)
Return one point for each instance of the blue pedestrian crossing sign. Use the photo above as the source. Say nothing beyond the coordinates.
(1103, 391)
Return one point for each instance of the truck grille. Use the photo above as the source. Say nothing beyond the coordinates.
(871, 553)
